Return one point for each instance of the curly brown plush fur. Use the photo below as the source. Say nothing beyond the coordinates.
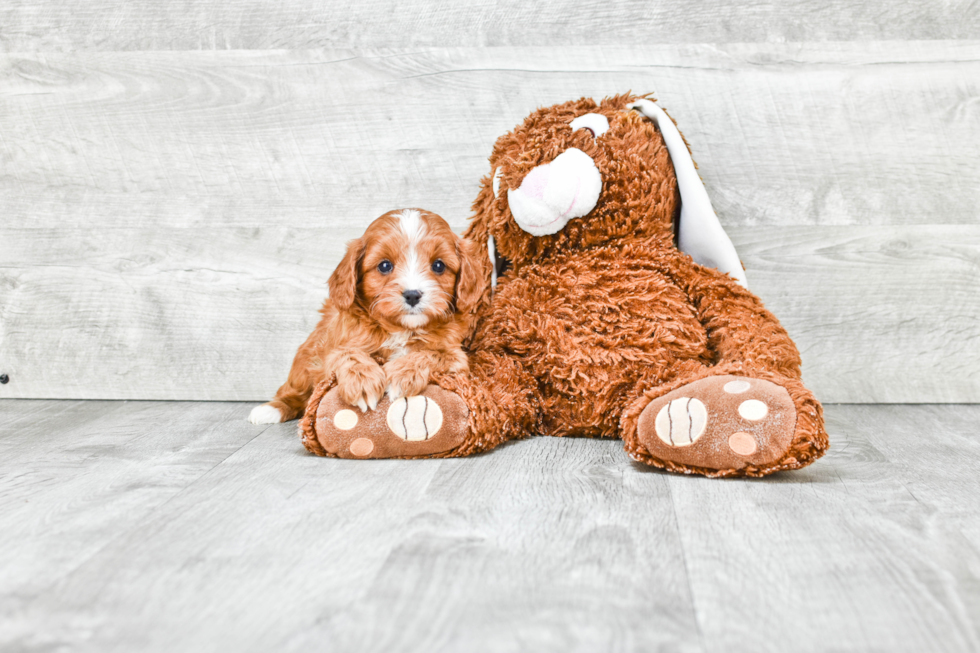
(592, 324)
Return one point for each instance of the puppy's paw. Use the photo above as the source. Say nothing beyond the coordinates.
(405, 378)
(362, 386)
(265, 414)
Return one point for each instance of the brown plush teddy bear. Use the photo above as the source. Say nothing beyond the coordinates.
(617, 308)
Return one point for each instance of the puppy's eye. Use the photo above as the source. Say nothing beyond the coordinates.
(385, 266)
(438, 266)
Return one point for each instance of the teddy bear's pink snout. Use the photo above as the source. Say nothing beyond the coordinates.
(553, 193)
(536, 181)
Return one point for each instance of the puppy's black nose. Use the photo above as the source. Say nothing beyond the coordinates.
(412, 297)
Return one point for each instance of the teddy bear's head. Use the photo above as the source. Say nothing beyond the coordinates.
(583, 174)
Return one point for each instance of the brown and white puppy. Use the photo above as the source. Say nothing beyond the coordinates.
(399, 308)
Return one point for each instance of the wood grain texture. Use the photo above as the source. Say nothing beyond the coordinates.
(938, 435)
(779, 562)
(881, 314)
(820, 134)
(145, 313)
(169, 217)
(179, 526)
(125, 459)
(75, 25)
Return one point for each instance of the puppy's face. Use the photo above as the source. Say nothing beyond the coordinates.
(409, 270)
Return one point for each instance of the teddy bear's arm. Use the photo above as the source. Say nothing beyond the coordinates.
(741, 331)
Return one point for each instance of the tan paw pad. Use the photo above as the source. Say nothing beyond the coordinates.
(737, 387)
(345, 419)
(361, 447)
(681, 422)
(753, 410)
(414, 418)
(742, 443)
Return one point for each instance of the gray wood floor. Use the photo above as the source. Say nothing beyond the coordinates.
(160, 526)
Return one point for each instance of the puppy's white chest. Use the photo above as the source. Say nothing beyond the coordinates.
(397, 344)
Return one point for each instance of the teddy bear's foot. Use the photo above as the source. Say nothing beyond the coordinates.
(428, 424)
(720, 423)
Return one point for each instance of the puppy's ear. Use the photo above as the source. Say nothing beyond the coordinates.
(474, 274)
(343, 281)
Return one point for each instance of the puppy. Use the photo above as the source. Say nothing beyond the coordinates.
(398, 311)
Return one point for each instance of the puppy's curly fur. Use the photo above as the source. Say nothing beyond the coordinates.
(400, 306)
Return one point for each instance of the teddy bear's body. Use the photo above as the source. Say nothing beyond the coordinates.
(601, 326)
(589, 330)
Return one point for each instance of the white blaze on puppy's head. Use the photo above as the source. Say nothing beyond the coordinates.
(414, 277)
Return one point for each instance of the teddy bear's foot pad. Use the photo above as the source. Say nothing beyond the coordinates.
(431, 423)
(721, 422)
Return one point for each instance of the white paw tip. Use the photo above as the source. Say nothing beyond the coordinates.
(681, 421)
(753, 410)
(362, 405)
(265, 414)
(345, 419)
(414, 418)
(737, 387)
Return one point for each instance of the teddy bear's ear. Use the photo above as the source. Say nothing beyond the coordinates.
(700, 234)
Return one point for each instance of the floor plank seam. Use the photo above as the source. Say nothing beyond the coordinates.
(138, 524)
(687, 571)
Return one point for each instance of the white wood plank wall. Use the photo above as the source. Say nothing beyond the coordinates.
(60, 25)
(170, 210)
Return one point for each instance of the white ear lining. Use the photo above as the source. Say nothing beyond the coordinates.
(701, 235)
(492, 250)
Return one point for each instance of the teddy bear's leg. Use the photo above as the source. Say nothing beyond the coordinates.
(748, 413)
(465, 413)
(726, 425)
